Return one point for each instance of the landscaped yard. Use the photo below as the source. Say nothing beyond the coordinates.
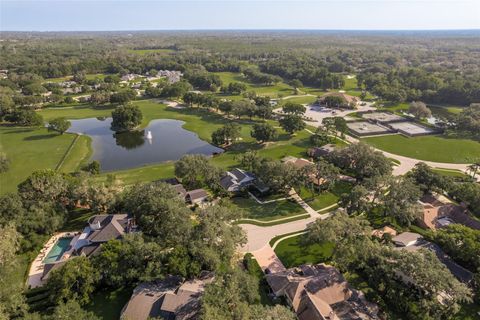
(108, 304)
(324, 199)
(31, 149)
(270, 211)
(428, 148)
(292, 253)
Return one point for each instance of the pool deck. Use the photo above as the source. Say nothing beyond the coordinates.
(36, 269)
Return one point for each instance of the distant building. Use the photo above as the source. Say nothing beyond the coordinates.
(320, 292)
(236, 180)
(172, 76)
(166, 299)
(129, 77)
(349, 101)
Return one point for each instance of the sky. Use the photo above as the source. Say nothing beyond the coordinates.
(90, 15)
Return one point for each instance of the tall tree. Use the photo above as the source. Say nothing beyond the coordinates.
(419, 110)
(126, 118)
(59, 124)
(292, 123)
(75, 280)
(264, 132)
(159, 212)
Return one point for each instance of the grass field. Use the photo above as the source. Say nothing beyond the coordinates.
(292, 253)
(325, 199)
(280, 89)
(439, 111)
(450, 173)
(301, 99)
(270, 211)
(32, 149)
(428, 148)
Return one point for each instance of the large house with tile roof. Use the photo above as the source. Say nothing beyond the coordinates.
(320, 292)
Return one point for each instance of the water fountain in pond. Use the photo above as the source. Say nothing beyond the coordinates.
(149, 137)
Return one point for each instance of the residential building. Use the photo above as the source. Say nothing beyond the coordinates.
(196, 197)
(100, 229)
(320, 292)
(236, 180)
(406, 239)
(172, 76)
(413, 242)
(439, 212)
(168, 299)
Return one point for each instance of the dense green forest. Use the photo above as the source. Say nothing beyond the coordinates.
(432, 67)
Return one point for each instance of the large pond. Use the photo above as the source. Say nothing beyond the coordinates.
(162, 140)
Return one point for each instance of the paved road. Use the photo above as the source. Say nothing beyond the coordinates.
(258, 237)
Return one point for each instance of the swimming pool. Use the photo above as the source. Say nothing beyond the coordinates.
(58, 249)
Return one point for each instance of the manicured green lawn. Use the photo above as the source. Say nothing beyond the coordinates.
(428, 148)
(79, 154)
(439, 111)
(269, 211)
(301, 99)
(450, 173)
(31, 149)
(141, 174)
(325, 199)
(274, 91)
(108, 304)
(292, 253)
(76, 112)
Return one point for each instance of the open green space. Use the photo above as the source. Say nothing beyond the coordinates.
(278, 90)
(108, 305)
(293, 253)
(428, 148)
(197, 120)
(31, 149)
(450, 173)
(269, 211)
(439, 111)
(302, 99)
(319, 201)
(78, 154)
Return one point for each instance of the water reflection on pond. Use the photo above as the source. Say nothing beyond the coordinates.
(169, 141)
